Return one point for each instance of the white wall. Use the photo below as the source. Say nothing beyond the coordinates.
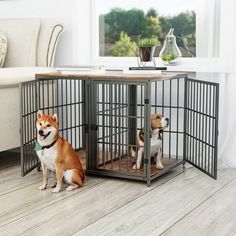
(74, 45)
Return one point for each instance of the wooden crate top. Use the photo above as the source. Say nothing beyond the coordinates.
(111, 75)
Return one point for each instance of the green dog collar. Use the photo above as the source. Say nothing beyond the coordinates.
(37, 147)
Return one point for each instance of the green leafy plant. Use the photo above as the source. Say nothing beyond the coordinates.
(148, 42)
(124, 47)
(168, 57)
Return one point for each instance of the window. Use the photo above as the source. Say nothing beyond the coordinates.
(121, 23)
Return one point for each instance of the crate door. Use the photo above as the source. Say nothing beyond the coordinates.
(117, 118)
(28, 113)
(201, 125)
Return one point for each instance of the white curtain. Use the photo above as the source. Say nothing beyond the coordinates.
(219, 46)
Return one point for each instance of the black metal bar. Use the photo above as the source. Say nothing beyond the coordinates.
(216, 129)
(194, 122)
(119, 123)
(185, 120)
(206, 138)
(62, 112)
(132, 113)
(142, 107)
(53, 96)
(97, 123)
(48, 102)
(177, 125)
(199, 124)
(191, 120)
(103, 125)
(115, 118)
(71, 115)
(170, 93)
(155, 84)
(213, 130)
(147, 125)
(29, 163)
(107, 130)
(111, 123)
(66, 107)
(163, 113)
(82, 109)
(209, 132)
(75, 112)
(128, 99)
(203, 125)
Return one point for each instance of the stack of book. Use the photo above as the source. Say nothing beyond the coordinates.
(86, 69)
(73, 69)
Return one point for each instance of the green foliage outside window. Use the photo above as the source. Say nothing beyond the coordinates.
(123, 47)
(121, 29)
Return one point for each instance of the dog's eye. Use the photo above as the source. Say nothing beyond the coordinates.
(40, 124)
(48, 125)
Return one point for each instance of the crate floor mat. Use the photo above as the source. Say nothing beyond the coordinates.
(125, 163)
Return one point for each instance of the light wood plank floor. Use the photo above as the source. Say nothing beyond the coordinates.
(179, 203)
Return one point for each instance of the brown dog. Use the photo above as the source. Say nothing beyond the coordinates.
(57, 155)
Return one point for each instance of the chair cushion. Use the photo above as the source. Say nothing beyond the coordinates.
(22, 36)
(3, 48)
(12, 77)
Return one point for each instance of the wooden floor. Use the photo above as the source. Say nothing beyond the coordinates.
(179, 203)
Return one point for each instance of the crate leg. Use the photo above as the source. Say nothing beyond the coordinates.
(184, 166)
(148, 183)
(38, 167)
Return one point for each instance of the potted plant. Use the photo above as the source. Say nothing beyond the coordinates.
(146, 48)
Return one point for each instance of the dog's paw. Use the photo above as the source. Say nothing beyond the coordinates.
(159, 166)
(136, 167)
(42, 187)
(71, 187)
(56, 190)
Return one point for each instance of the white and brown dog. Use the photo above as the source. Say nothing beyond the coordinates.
(57, 155)
(158, 123)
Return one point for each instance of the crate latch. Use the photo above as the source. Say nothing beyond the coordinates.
(94, 127)
(86, 128)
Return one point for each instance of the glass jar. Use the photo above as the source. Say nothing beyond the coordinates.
(170, 52)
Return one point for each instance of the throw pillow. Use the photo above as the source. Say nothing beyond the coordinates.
(3, 48)
(22, 37)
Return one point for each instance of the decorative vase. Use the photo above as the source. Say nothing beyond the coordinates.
(146, 53)
(170, 52)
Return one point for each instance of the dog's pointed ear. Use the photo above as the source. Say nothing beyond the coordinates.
(39, 114)
(153, 116)
(55, 117)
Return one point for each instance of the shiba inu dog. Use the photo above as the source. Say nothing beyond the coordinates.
(158, 123)
(57, 155)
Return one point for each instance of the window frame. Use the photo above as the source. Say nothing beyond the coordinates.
(206, 14)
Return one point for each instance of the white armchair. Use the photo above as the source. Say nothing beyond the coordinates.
(32, 44)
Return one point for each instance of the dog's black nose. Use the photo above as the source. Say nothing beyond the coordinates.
(41, 132)
(167, 120)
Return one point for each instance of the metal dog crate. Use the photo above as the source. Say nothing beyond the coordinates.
(104, 114)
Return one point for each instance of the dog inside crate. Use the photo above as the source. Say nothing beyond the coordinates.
(121, 120)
